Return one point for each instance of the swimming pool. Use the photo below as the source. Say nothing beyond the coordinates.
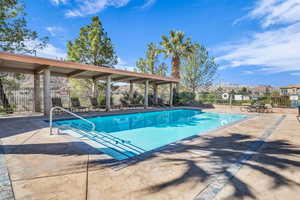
(125, 136)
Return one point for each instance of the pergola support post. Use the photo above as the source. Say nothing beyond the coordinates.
(108, 93)
(171, 95)
(95, 89)
(131, 92)
(36, 93)
(155, 97)
(146, 94)
(47, 94)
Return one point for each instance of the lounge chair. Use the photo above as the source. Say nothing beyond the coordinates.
(124, 104)
(137, 105)
(245, 106)
(255, 107)
(56, 102)
(117, 106)
(76, 104)
(95, 104)
(268, 108)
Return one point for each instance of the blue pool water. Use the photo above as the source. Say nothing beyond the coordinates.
(128, 135)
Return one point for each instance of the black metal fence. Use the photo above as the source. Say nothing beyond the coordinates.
(278, 101)
(20, 100)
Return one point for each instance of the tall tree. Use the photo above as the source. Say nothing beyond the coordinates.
(14, 34)
(93, 46)
(176, 47)
(15, 37)
(150, 64)
(198, 69)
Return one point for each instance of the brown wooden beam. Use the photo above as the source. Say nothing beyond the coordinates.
(98, 77)
(25, 60)
(139, 80)
(162, 83)
(41, 68)
(16, 70)
(76, 73)
(58, 74)
(123, 79)
(156, 82)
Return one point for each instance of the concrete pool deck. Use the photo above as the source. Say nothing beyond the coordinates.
(61, 167)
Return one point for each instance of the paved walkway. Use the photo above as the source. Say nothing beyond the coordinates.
(60, 167)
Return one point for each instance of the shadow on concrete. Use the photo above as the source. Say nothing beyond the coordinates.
(223, 151)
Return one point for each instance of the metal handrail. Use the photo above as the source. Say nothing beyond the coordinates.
(69, 112)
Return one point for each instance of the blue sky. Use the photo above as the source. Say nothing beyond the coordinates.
(254, 41)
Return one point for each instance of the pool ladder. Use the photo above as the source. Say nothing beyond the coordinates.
(121, 146)
(69, 112)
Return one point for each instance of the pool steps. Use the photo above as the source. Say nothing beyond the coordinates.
(119, 148)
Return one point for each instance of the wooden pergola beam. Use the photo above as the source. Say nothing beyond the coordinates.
(41, 68)
(139, 80)
(162, 83)
(16, 70)
(101, 76)
(123, 79)
(76, 73)
(31, 62)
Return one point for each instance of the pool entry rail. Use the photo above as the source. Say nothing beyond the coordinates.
(69, 112)
(116, 144)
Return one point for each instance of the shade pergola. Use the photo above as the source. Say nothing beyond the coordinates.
(25, 64)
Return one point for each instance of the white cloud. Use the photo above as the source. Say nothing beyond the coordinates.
(50, 51)
(295, 74)
(88, 7)
(54, 30)
(248, 72)
(276, 11)
(124, 65)
(58, 2)
(275, 49)
(148, 4)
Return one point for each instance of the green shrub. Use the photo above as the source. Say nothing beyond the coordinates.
(184, 98)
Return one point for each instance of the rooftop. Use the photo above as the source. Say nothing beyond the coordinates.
(291, 86)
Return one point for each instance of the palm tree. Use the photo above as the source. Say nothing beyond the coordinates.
(176, 46)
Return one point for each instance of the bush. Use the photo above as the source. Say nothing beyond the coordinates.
(184, 98)
(137, 98)
(102, 100)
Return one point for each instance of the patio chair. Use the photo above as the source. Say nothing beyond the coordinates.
(95, 104)
(116, 106)
(268, 108)
(136, 105)
(125, 104)
(244, 107)
(56, 102)
(255, 107)
(76, 104)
